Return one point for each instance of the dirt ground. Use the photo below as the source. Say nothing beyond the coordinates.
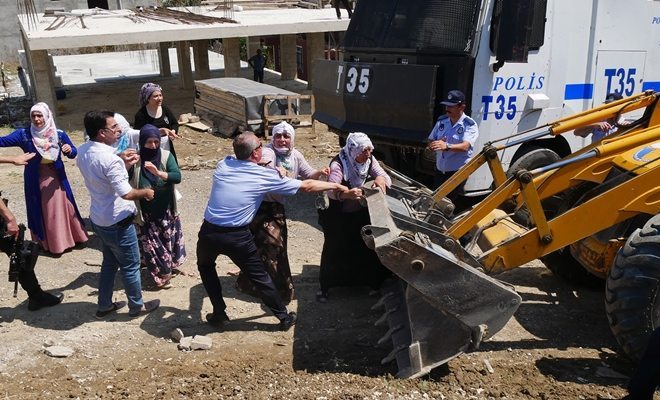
(558, 345)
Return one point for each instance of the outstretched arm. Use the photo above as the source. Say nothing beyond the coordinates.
(18, 160)
(313, 185)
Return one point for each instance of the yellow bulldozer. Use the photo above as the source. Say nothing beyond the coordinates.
(595, 212)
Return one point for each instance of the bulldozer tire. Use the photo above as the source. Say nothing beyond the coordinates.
(560, 262)
(632, 295)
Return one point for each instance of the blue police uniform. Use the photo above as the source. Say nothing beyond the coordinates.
(464, 130)
(598, 134)
(238, 189)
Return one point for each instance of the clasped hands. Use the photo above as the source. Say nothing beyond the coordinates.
(437, 145)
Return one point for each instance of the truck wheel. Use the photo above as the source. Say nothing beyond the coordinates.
(632, 295)
(535, 158)
(560, 262)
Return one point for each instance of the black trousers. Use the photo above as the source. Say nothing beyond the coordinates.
(238, 245)
(346, 5)
(441, 177)
(26, 277)
(643, 384)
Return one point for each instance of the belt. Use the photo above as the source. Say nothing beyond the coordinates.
(218, 228)
(125, 222)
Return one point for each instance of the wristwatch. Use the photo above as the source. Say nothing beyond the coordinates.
(448, 147)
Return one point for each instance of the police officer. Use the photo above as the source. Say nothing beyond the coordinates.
(452, 139)
(26, 277)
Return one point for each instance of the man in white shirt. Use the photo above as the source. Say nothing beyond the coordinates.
(112, 211)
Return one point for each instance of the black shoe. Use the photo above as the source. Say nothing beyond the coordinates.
(146, 308)
(217, 319)
(46, 300)
(117, 305)
(288, 322)
(322, 296)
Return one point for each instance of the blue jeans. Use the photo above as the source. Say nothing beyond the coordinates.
(120, 250)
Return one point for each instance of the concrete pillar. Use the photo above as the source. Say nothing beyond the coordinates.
(42, 78)
(201, 57)
(315, 51)
(253, 43)
(288, 61)
(185, 70)
(164, 59)
(232, 52)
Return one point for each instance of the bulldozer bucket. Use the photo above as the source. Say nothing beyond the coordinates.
(440, 304)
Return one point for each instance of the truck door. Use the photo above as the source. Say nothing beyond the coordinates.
(618, 71)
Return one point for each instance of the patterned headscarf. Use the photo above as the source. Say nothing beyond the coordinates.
(46, 139)
(146, 91)
(283, 155)
(355, 173)
(146, 154)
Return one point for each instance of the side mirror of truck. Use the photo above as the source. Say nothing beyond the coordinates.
(511, 31)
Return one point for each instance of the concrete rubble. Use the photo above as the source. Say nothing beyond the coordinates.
(197, 342)
(58, 351)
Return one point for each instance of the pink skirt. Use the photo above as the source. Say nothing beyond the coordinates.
(62, 228)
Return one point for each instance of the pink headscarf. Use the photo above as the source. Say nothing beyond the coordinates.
(46, 139)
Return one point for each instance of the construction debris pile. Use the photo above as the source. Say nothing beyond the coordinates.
(138, 15)
(171, 16)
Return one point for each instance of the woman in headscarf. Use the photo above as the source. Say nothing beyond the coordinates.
(346, 260)
(128, 138)
(53, 217)
(269, 225)
(152, 111)
(160, 234)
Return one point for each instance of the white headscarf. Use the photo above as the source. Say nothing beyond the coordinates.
(124, 140)
(46, 139)
(283, 155)
(355, 173)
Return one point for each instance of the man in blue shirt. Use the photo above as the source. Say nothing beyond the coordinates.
(452, 139)
(239, 186)
(604, 128)
(258, 63)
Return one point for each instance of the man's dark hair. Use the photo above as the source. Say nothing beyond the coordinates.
(244, 144)
(95, 121)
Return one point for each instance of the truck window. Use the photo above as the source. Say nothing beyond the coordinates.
(414, 25)
(537, 35)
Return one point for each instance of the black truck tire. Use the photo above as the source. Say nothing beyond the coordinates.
(560, 262)
(535, 158)
(632, 295)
